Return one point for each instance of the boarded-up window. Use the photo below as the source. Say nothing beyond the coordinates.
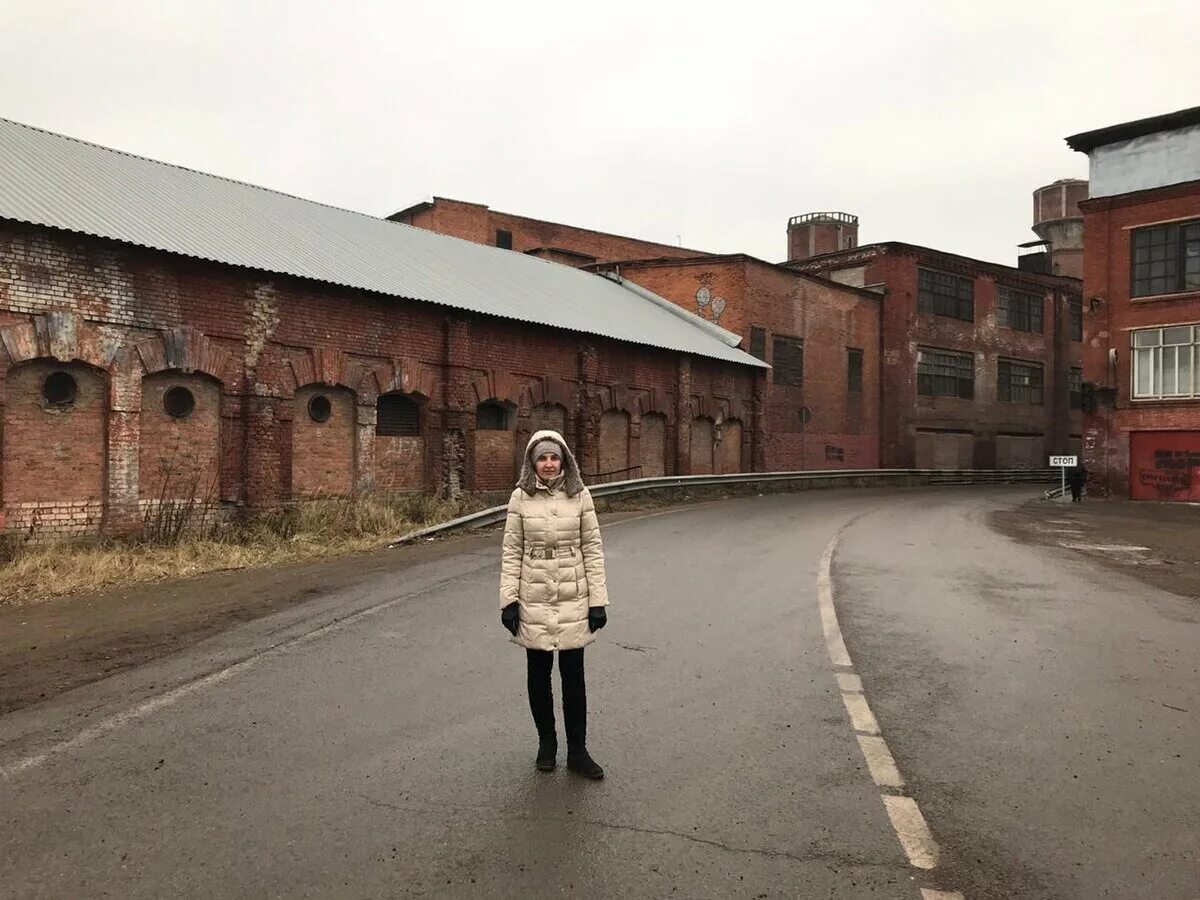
(398, 416)
(731, 446)
(854, 371)
(702, 446)
(788, 361)
(614, 442)
(548, 417)
(654, 445)
(758, 342)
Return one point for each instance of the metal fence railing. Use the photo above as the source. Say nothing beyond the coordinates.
(860, 478)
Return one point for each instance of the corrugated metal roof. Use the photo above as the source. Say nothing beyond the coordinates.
(57, 181)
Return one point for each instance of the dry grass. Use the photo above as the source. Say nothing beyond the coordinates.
(31, 572)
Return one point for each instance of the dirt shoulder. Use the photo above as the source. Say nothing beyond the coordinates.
(1158, 543)
(50, 647)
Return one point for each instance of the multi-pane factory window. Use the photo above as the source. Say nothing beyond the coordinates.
(1077, 320)
(1019, 311)
(1166, 259)
(1019, 382)
(944, 294)
(943, 373)
(787, 359)
(1165, 362)
(1075, 387)
(854, 370)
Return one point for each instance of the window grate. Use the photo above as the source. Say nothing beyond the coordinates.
(397, 416)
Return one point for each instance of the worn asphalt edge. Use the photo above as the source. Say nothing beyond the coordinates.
(912, 830)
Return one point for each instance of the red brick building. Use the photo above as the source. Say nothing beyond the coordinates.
(167, 335)
(1141, 285)
(821, 401)
(565, 244)
(981, 363)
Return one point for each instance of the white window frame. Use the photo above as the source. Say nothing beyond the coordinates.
(1149, 347)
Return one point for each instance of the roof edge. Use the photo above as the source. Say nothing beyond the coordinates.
(1087, 141)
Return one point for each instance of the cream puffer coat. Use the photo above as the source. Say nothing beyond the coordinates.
(553, 560)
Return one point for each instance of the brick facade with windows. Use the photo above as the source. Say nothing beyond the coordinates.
(1141, 311)
(949, 326)
(254, 352)
(806, 328)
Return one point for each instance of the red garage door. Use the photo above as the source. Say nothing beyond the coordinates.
(1164, 465)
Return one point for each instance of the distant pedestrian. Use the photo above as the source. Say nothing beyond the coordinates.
(1076, 479)
(553, 591)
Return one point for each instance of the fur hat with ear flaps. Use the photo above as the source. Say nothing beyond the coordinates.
(572, 480)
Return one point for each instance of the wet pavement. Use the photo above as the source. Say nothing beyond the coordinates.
(376, 742)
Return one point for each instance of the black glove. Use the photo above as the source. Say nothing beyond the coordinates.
(597, 618)
(510, 616)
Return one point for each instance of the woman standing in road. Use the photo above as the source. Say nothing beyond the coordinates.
(553, 591)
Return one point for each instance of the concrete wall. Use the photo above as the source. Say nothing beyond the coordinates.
(1155, 160)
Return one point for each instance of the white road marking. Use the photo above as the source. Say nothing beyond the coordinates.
(1104, 548)
(907, 820)
(915, 838)
(833, 632)
(848, 681)
(880, 762)
(860, 713)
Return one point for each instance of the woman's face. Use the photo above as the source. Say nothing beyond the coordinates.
(548, 465)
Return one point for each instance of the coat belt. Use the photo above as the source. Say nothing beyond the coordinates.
(548, 552)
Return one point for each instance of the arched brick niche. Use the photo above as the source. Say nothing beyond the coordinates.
(730, 453)
(653, 445)
(702, 446)
(180, 448)
(323, 422)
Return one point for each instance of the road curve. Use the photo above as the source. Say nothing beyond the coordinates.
(378, 743)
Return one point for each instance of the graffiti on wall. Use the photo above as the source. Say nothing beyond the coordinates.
(713, 306)
(1165, 465)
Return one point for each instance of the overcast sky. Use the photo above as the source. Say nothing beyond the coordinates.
(710, 125)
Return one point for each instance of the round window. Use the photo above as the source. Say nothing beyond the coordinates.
(60, 389)
(319, 408)
(179, 402)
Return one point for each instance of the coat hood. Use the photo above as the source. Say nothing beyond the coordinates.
(572, 480)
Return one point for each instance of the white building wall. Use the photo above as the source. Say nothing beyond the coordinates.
(1156, 160)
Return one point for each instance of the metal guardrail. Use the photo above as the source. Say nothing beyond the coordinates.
(833, 477)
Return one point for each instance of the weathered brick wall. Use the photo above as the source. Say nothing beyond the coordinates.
(701, 447)
(180, 456)
(1108, 227)
(741, 293)
(323, 452)
(495, 456)
(614, 441)
(475, 222)
(255, 349)
(653, 445)
(52, 456)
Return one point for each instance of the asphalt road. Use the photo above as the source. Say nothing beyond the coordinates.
(377, 742)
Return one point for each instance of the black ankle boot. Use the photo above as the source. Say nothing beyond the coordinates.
(547, 757)
(581, 761)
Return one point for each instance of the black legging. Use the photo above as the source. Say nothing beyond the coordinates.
(541, 694)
